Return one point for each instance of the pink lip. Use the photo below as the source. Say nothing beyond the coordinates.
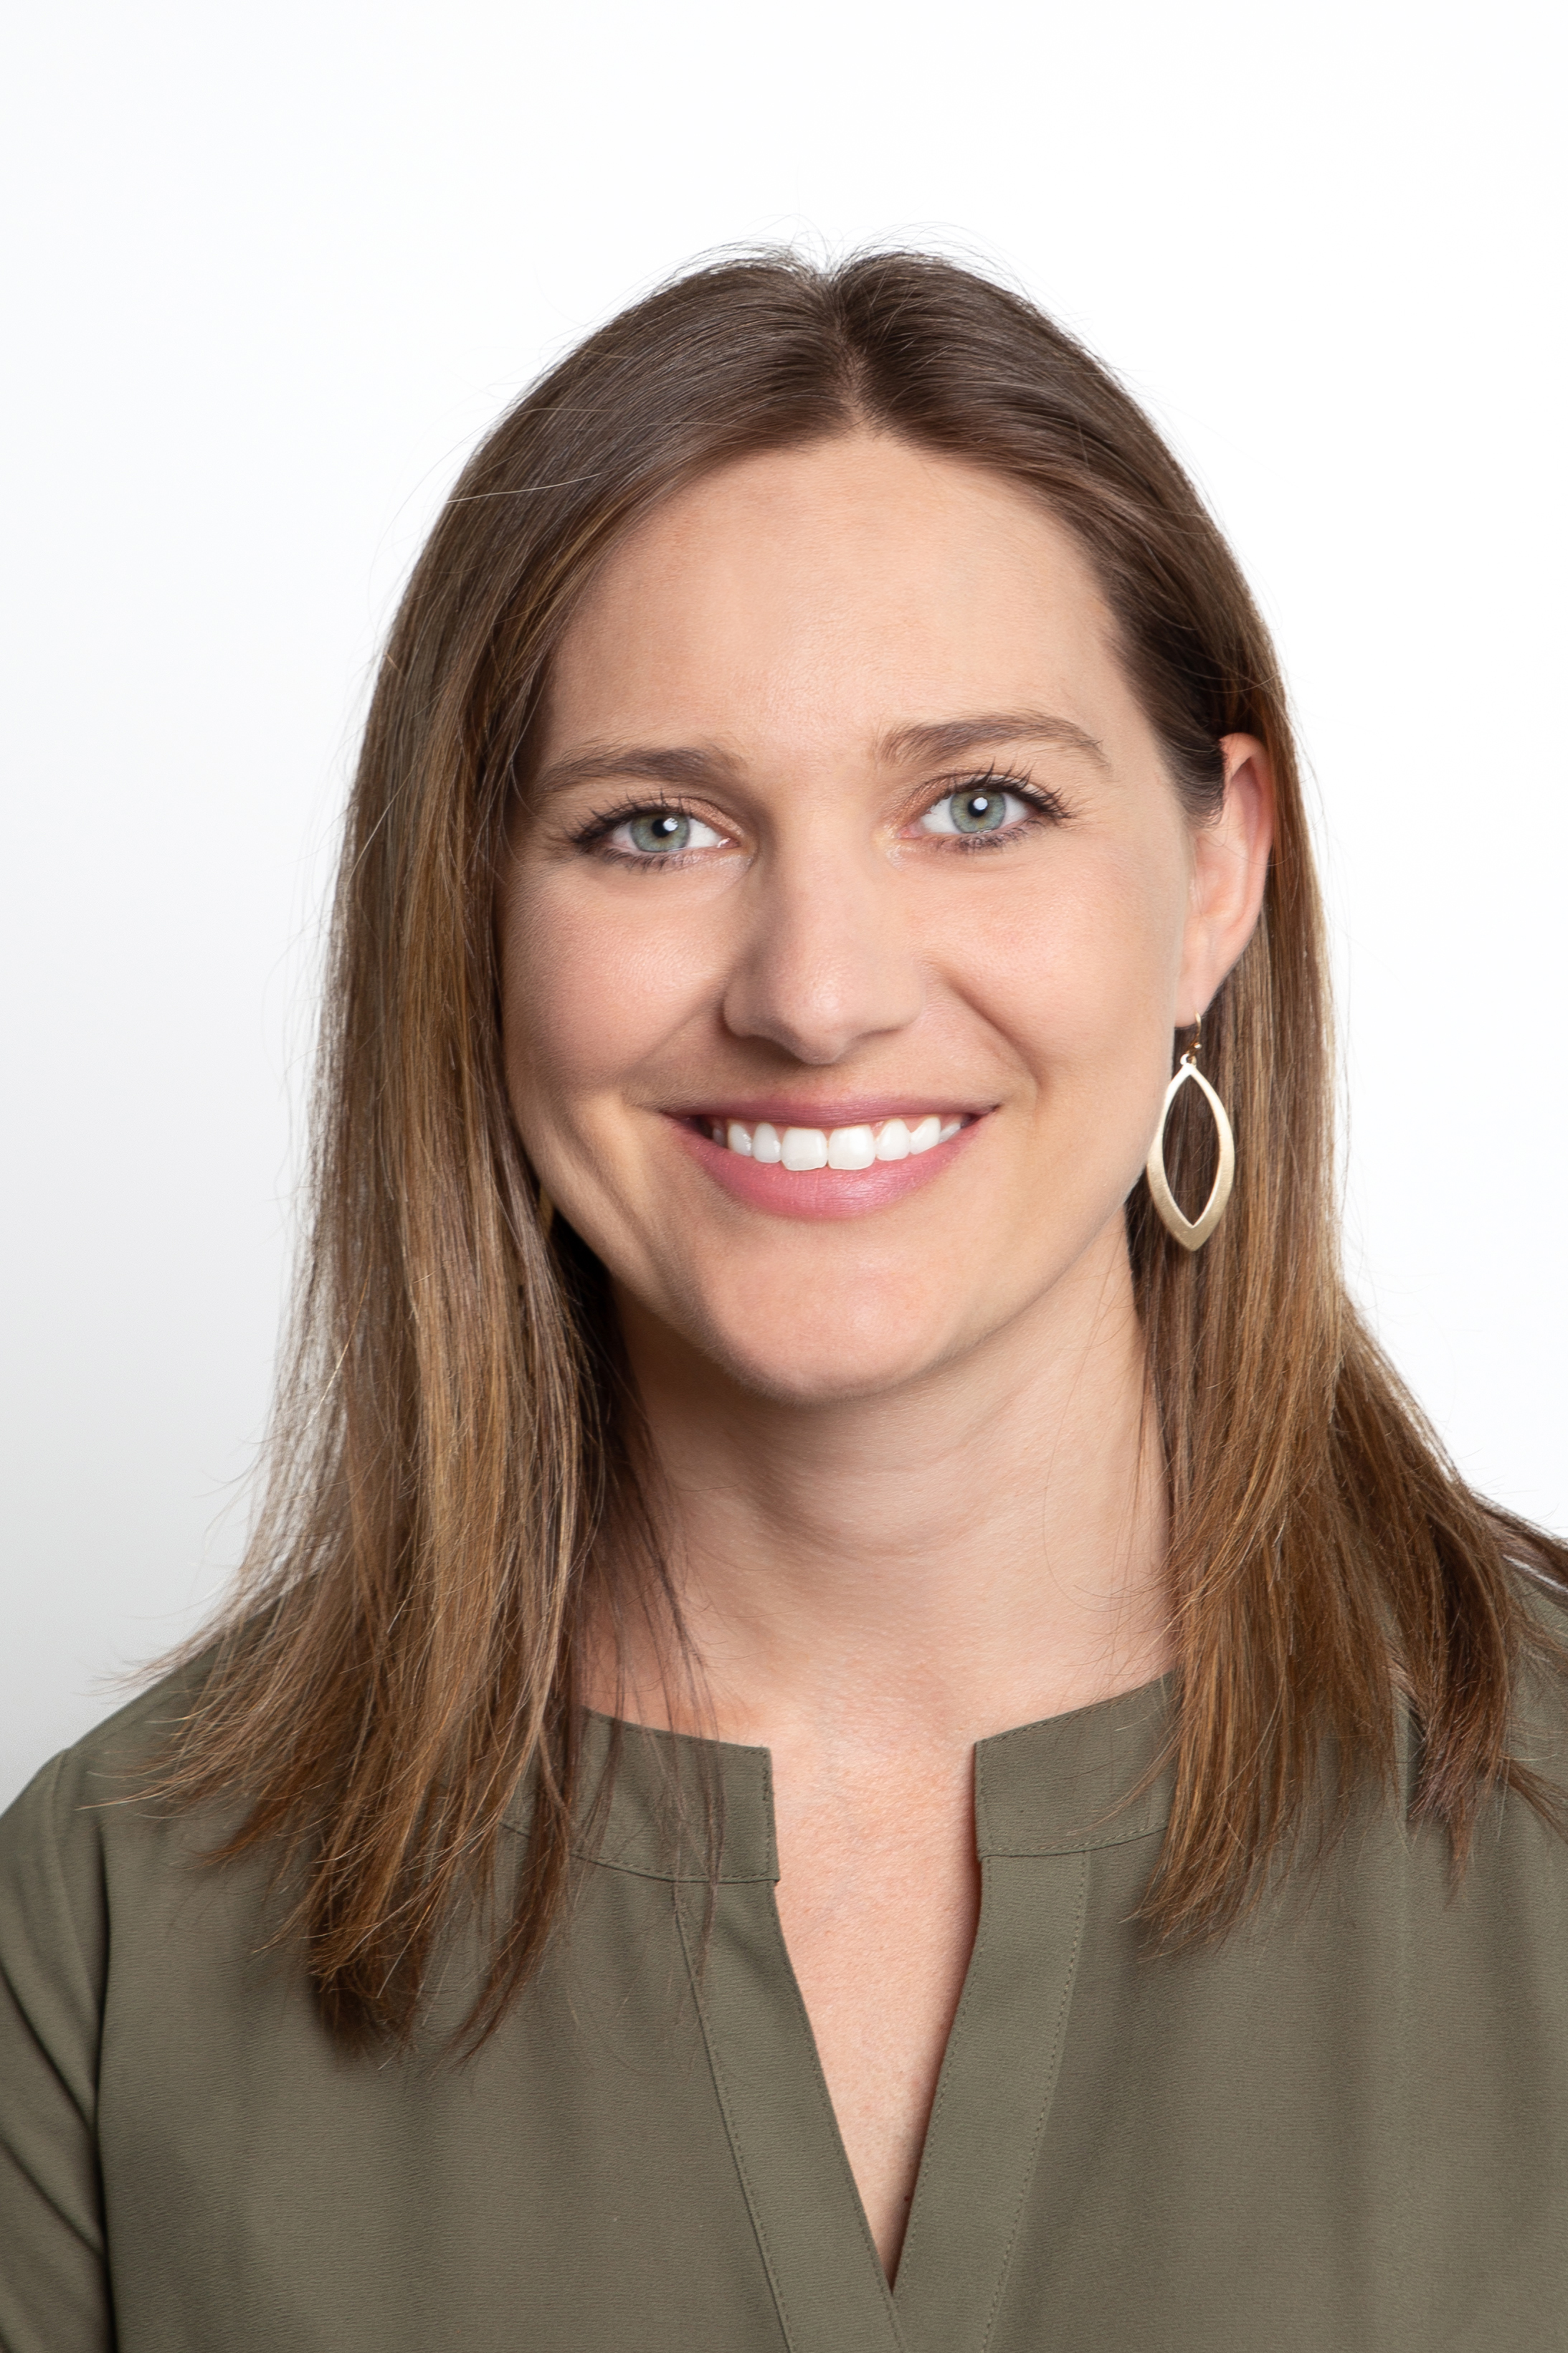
(820, 1193)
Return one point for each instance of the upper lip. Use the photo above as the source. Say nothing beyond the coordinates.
(845, 1111)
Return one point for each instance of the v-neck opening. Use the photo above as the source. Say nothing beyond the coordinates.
(1047, 1795)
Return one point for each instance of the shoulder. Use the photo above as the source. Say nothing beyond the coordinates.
(77, 1828)
(105, 1767)
(86, 1864)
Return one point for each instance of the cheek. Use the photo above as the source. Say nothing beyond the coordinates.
(587, 993)
(1082, 981)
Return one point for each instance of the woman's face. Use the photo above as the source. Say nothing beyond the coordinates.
(848, 842)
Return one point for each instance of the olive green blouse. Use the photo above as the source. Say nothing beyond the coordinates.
(1344, 2130)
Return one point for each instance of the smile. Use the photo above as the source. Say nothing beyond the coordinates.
(802, 1149)
(872, 1155)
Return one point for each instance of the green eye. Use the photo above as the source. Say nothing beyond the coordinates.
(979, 812)
(977, 808)
(662, 833)
(658, 829)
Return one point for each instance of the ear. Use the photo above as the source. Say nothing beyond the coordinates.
(1230, 867)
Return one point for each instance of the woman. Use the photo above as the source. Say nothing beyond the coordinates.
(851, 1723)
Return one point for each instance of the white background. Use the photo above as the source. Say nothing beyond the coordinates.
(275, 268)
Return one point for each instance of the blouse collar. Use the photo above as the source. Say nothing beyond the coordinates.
(1095, 1776)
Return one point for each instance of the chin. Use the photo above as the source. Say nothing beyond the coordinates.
(829, 1350)
(829, 1378)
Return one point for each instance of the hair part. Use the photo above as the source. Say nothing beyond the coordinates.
(453, 1435)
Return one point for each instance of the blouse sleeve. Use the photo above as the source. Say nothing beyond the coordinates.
(54, 2295)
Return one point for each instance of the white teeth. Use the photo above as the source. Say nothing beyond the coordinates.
(801, 1148)
(805, 1147)
(851, 1148)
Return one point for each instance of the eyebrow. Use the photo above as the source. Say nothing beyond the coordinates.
(949, 739)
(689, 764)
(929, 741)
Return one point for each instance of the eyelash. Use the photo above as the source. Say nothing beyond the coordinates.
(1045, 809)
(594, 836)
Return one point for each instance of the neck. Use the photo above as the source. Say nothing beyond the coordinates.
(978, 1548)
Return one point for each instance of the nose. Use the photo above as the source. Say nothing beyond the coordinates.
(827, 960)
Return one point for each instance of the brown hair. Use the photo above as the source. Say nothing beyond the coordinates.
(400, 1651)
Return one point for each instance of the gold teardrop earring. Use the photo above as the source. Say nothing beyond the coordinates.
(1191, 1232)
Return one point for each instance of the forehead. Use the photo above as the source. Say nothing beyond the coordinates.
(844, 590)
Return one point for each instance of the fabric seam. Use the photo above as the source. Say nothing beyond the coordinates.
(721, 2092)
(1045, 2105)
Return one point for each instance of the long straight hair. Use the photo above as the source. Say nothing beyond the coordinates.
(452, 1439)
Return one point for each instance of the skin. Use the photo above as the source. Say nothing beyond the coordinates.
(913, 1496)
